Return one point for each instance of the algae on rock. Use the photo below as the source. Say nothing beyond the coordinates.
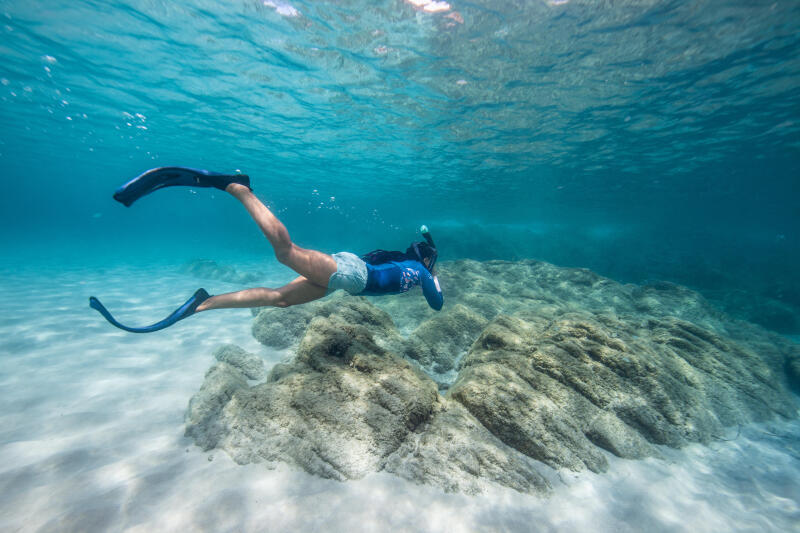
(284, 327)
(562, 367)
(437, 342)
(346, 407)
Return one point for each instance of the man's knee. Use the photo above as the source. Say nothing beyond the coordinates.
(284, 254)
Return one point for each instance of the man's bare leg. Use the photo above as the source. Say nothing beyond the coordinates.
(316, 267)
(299, 291)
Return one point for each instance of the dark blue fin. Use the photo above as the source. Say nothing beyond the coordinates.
(158, 178)
(180, 313)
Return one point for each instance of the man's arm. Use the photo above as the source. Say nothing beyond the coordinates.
(431, 289)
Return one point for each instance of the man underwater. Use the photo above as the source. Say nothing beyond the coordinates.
(376, 273)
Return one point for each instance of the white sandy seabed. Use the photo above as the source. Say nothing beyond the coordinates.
(91, 439)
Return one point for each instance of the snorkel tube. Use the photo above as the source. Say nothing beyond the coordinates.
(427, 235)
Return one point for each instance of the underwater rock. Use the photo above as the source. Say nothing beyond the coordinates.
(251, 365)
(562, 366)
(558, 390)
(284, 327)
(338, 410)
(455, 452)
(438, 341)
(523, 408)
(407, 310)
(281, 327)
(345, 407)
(203, 417)
(205, 268)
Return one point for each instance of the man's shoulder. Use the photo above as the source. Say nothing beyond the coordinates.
(384, 266)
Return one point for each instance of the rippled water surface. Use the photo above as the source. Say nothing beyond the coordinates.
(481, 101)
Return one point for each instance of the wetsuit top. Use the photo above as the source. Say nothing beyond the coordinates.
(395, 277)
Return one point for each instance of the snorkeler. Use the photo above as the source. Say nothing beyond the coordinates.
(376, 273)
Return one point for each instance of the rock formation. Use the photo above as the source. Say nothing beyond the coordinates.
(345, 407)
(541, 368)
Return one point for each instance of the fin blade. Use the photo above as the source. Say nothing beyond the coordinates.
(184, 311)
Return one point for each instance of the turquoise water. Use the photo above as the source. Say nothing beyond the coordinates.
(644, 140)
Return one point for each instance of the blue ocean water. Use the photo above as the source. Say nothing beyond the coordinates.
(642, 139)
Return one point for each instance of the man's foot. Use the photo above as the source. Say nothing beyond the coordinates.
(158, 178)
(237, 188)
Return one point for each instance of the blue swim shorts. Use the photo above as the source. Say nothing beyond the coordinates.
(350, 275)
